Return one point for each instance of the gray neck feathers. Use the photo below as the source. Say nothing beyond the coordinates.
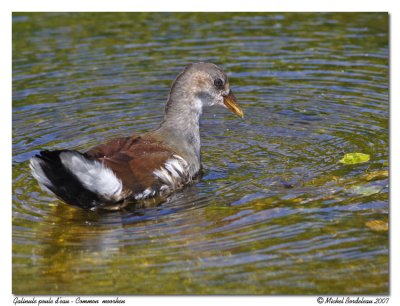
(180, 127)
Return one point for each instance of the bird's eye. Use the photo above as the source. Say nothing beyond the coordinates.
(219, 83)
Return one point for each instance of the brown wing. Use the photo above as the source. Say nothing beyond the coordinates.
(133, 160)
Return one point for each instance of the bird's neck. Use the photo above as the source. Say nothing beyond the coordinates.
(180, 128)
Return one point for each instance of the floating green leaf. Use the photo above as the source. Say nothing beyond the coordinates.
(354, 158)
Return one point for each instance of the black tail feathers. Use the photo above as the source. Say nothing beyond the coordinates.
(53, 175)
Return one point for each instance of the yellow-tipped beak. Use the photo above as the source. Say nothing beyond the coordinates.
(231, 103)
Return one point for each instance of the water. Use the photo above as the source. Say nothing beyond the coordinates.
(275, 212)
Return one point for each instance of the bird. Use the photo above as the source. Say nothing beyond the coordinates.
(140, 166)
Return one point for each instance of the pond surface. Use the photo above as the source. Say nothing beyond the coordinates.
(275, 212)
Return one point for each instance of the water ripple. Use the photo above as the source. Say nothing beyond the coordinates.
(275, 211)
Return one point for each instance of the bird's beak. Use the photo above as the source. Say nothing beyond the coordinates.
(231, 103)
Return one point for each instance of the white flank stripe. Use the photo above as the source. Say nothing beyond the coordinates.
(164, 187)
(175, 173)
(173, 169)
(164, 176)
(145, 194)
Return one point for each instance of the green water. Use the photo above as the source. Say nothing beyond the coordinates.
(275, 212)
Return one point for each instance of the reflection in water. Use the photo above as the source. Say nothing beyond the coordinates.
(274, 213)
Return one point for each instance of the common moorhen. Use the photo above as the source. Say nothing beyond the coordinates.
(138, 167)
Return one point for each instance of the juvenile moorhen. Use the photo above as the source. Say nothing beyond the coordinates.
(138, 167)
